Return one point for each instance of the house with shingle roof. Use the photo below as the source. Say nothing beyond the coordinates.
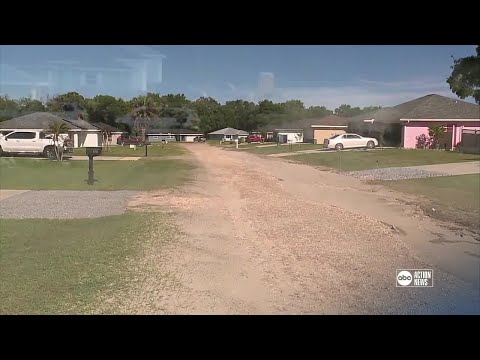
(402, 125)
(159, 135)
(110, 134)
(318, 129)
(227, 133)
(80, 132)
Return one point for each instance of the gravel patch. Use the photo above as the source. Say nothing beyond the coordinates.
(398, 173)
(59, 204)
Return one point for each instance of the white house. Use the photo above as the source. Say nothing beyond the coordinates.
(290, 136)
(80, 132)
(227, 133)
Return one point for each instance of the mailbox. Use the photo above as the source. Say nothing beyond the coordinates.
(93, 151)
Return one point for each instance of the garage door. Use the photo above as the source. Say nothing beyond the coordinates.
(321, 134)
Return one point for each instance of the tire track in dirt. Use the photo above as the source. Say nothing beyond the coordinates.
(242, 244)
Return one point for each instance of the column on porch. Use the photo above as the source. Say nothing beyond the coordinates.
(453, 137)
(75, 140)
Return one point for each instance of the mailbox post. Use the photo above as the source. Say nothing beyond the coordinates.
(91, 152)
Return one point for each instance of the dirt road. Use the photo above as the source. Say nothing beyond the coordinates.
(265, 236)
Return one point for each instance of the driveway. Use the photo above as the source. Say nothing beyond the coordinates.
(260, 235)
(462, 168)
(5, 194)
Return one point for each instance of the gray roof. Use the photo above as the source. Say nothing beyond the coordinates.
(229, 131)
(427, 107)
(82, 124)
(173, 131)
(107, 127)
(307, 123)
(37, 120)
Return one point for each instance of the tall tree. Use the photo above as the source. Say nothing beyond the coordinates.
(346, 110)
(369, 109)
(106, 108)
(7, 104)
(318, 111)
(176, 101)
(30, 105)
(66, 102)
(144, 110)
(57, 128)
(465, 78)
(210, 114)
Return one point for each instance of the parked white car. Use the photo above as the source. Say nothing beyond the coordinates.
(344, 141)
(28, 142)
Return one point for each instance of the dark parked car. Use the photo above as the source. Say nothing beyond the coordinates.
(130, 140)
(200, 139)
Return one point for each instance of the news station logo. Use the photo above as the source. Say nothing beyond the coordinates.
(414, 278)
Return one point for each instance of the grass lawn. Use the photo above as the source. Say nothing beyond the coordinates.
(227, 145)
(283, 148)
(59, 266)
(454, 198)
(170, 149)
(42, 174)
(361, 160)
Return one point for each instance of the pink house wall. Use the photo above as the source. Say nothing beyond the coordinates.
(416, 128)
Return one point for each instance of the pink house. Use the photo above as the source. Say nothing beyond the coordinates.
(413, 128)
(404, 124)
(435, 110)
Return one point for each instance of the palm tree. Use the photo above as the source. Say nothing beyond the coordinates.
(144, 109)
(56, 128)
(106, 136)
(436, 133)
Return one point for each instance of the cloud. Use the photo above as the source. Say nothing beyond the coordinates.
(231, 86)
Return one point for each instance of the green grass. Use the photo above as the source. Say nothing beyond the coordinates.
(454, 198)
(59, 266)
(170, 149)
(362, 160)
(42, 174)
(227, 145)
(284, 148)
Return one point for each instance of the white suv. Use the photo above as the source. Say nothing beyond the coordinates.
(343, 141)
(28, 142)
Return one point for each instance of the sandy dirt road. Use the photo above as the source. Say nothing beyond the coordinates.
(260, 235)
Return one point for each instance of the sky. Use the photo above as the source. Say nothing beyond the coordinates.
(318, 75)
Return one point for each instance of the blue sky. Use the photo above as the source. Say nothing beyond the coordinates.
(316, 74)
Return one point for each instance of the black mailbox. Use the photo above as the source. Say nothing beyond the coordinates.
(93, 151)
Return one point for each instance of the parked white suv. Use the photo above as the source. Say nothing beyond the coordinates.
(28, 142)
(343, 141)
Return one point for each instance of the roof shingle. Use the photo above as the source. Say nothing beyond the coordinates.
(37, 120)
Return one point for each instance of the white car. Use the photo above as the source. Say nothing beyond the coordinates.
(28, 142)
(344, 141)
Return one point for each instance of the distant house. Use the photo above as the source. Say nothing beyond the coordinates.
(80, 132)
(157, 135)
(324, 128)
(402, 125)
(110, 130)
(290, 136)
(227, 133)
(86, 135)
